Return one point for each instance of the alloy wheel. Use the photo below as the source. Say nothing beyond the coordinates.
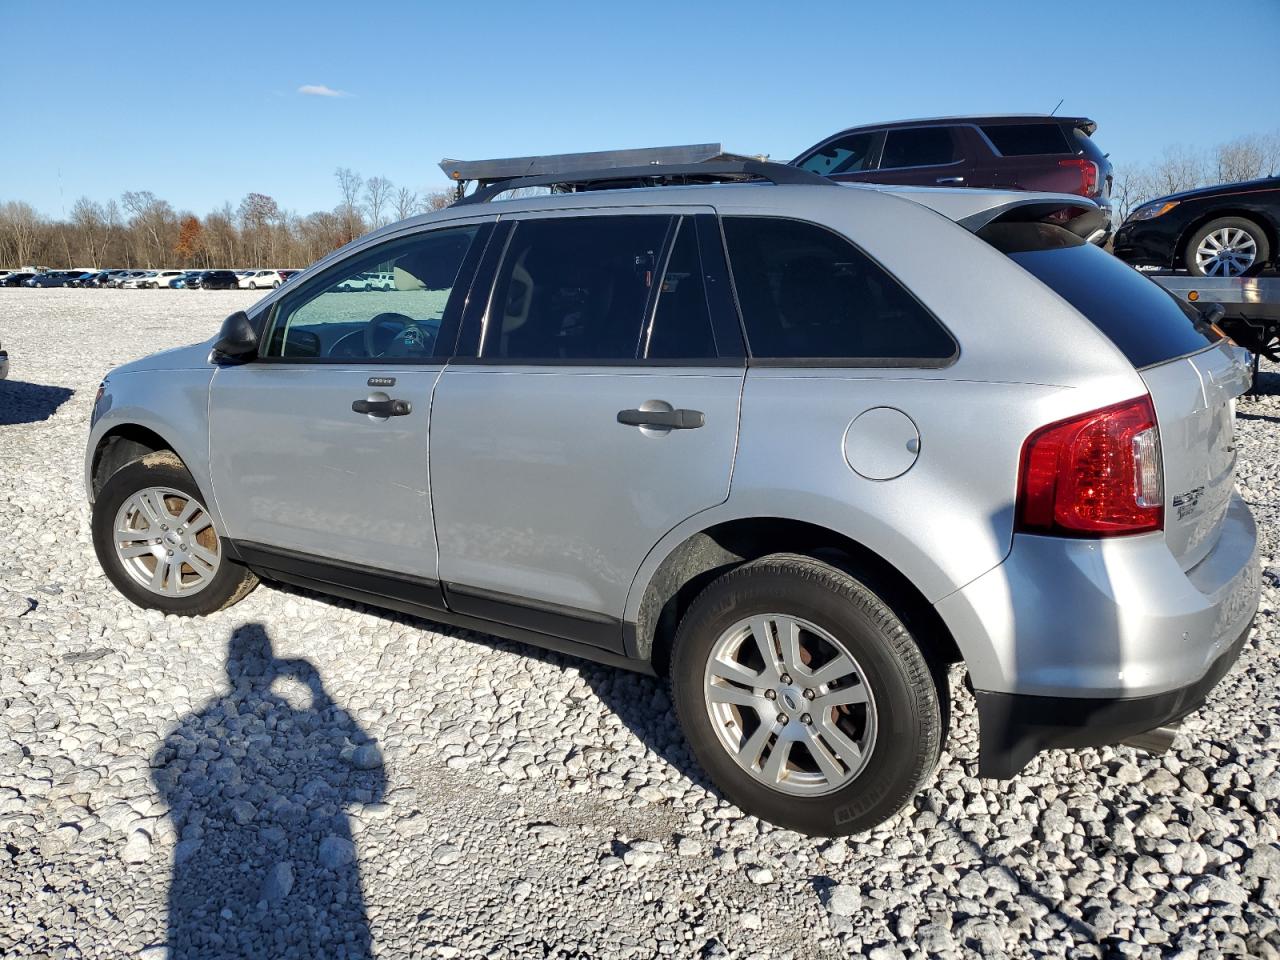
(166, 542)
(1228, 252)
(790, 704)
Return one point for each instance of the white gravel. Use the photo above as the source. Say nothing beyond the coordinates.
(402, 790)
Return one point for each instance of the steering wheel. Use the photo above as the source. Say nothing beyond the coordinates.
(408, 338)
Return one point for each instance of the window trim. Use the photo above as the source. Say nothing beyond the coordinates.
(842, 363)
(475, 319)
(467, 273)
(955, 143)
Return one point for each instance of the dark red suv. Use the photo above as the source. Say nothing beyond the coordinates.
(1022, 152)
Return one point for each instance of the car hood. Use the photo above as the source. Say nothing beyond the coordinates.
(1223, 189)
(195, 356)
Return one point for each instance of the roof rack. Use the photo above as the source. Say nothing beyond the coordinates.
(714, 171)
(485, 172)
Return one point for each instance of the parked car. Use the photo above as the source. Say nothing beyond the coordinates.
(91, 279)
(219, 280)
(151, 280)
(16, 279)
(1021, 152)
(183, 282)
(119, 277)
(261, 279)
(287, 275)
(802, 542)
(54, 278)
(4, 362)
(1229, 230)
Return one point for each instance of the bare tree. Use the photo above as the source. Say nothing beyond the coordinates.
(438, 199)
(376, 192)
(20, 229)
(1179, 168)
(93, 232)
(350, 184)
(1244, 158)
(405, 203)
(257, 213)
(154, 219)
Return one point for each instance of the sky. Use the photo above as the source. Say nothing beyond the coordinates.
(205, 105)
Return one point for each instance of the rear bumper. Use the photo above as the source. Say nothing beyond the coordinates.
(1014, 728)
(1084, 642)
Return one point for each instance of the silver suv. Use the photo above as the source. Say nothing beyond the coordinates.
(797, 446)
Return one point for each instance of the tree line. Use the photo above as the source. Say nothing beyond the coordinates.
(141, 230)
(1184, 168)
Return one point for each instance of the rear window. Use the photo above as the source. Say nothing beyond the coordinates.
(1147, 323)
(1027, 139)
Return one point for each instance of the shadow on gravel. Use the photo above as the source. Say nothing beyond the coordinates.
(256, 783)
(1266, 384)
(1267, 418)
(639, 701)
(29, 402)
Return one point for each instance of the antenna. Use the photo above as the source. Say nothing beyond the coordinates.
(1055, 109)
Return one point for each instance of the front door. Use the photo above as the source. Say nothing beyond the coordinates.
(318, 448)
(599, 409)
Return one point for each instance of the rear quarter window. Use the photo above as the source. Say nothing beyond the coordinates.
(1027, 139)
(1147, 323)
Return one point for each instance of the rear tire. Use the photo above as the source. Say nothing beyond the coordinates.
(132, 537)
(885, 724)
(1227, 247)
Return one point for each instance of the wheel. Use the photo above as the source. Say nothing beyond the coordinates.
(157, 542)
(276, 284)
(805, 698)
(252, 285)
(1227, 247)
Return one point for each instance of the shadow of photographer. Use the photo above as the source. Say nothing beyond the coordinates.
(257, 782)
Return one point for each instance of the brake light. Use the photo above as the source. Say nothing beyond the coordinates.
(1088, 175)
(1095, 475)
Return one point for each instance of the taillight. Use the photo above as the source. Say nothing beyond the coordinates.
(1088, 175)
(1095, 475)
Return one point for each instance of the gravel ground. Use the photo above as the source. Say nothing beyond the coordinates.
(304, 776)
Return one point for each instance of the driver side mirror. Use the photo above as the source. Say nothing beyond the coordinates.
(237, 340)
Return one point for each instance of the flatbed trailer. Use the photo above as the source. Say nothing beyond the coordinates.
(1251, 308)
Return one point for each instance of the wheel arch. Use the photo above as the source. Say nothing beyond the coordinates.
(120, 445)
(716, 549)
(1269, 227)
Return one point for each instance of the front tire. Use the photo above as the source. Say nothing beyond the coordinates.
(1227, 247)
(158, 544)
(805, 698)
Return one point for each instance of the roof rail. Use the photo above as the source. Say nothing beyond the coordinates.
(622, 177)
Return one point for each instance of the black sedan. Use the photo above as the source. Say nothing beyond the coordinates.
(16, 279)
(55, 278)
(1229, 230)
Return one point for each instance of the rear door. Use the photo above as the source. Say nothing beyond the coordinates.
(594, 406)
(921, 156)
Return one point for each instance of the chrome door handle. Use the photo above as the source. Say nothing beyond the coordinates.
(665, 419)
(949, 180)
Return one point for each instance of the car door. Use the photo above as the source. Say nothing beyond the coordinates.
(318, 448)
(921, 156)
(593, 406)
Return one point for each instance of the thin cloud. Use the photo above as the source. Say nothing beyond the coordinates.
(320, 90)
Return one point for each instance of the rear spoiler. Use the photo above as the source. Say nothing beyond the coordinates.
(1078, 216)
(974, 209)
(1083, 124)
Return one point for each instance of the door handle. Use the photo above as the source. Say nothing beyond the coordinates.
(382, 408)
(664, 419)
(949, 180)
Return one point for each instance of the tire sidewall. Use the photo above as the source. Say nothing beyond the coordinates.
(153, 471)
(908, 730)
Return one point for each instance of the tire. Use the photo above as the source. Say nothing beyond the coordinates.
(163, 471)
(275, 285)
(904, 709)
(1236, 229)
(253, 286)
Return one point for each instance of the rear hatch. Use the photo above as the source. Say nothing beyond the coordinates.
(1192, 373)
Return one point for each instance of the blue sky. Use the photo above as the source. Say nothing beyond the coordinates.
(203, 106)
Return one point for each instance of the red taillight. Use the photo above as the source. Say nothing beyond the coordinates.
(1095, 475)
(1088, 175)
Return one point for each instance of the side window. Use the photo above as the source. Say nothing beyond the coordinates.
(1027, 139)
(575, 288)
(918, 147)
(386, 303)
(807, 293)
(846, 155)
(681, 324)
